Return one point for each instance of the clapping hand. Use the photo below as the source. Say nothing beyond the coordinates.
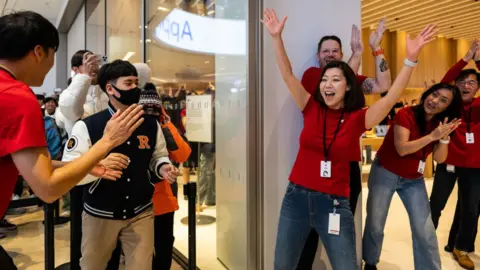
(377, 36)
(472, 52)
(271, 22)
(444, 129)
(120, 127)
(356, 41)
(414, 46)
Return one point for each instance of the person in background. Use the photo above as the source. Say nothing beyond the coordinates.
(51, 105)
(165, 201)
(23, 147)
(317, 195)
(40, 99)
(120, 210)
(461, 162)
(399, 167)
(330, 49)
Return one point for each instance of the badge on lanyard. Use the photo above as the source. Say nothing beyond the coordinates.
(326, 164)
(421, 167)
(334, 220)
(450, 168)
(326, 169)
(470, 138)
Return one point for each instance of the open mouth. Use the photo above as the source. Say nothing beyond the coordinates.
(431, 106)
(465, 92)
(329, 95)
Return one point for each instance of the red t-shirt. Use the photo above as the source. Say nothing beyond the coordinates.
(471, 150)
(21, 127)
(311, 79)
(406, 166)
(306, 170)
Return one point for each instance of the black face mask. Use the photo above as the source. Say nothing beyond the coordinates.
(128, 97)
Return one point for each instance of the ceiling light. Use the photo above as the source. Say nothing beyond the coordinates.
(128, 56)
(207, 62)
(163, 9)
(211, 12)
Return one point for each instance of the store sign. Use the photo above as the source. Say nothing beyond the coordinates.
(199, 118)
(191, 32)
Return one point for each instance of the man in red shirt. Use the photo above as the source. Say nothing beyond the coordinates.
(330, 49)
(28, 43)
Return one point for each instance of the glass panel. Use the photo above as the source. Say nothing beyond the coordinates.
(95, 29)
(197, 52)
(124, 26)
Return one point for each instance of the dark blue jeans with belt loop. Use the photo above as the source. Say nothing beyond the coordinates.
(304, 209)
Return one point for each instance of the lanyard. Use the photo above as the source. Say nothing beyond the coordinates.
(326, 149)
(468, 118)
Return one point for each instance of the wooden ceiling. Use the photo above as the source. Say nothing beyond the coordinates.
(455, 19)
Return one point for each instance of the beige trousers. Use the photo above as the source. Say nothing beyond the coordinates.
(100, 239)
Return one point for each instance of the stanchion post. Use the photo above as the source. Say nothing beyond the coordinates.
(190, 190)
(49, 237)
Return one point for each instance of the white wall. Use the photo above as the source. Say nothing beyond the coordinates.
(308, 21)
(76, 37)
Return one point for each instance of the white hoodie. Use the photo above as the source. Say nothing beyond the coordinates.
(80, 100)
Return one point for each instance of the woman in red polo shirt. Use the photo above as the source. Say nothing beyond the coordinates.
(334, 120)
(416, 132)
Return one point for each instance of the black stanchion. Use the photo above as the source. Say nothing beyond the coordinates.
(190, 190)
(49, 236)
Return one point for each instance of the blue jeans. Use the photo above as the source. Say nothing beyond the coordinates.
(382, 184)
(304, 209)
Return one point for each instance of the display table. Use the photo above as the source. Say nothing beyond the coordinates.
(375, 143)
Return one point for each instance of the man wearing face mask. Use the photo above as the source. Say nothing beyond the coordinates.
(82, 97)
(122, 209)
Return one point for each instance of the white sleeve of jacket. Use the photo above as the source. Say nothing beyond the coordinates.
(160, 154)
(78, 144)
(100, 99)
(72, 99)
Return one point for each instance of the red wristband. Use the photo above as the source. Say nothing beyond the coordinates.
(377, 53)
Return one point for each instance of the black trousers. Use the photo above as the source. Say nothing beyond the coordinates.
(163, 240)
(76, 210)
(469, 199)
(443, 185)
(310, 249)
(6, 262)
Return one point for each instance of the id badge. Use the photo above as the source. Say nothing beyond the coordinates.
(326, 169)
(450, 168)
(421, 167)
(470, 138)
(334, 224)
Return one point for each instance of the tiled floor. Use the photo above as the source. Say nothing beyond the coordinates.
(27, 245)
(28, 250)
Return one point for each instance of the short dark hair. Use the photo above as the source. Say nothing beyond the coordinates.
(109, 73)
(467, 72)
(77, 58)
(40, 97)
(20, 32)
(325, 38)
(453, 110)
(354, 98)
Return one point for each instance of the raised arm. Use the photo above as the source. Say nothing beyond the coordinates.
(383, 78)
(275, 28)
(357, 49)
(381, 108)
(454, 71)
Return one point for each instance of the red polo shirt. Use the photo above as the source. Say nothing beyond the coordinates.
(472, 150)
(406, 166)
(21, 126)
(306, 170)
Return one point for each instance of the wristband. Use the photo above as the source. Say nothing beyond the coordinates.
(410, 63)
(445, 141)
(377, 53)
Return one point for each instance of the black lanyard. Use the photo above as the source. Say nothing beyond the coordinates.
(468, 118)
(326, 149)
